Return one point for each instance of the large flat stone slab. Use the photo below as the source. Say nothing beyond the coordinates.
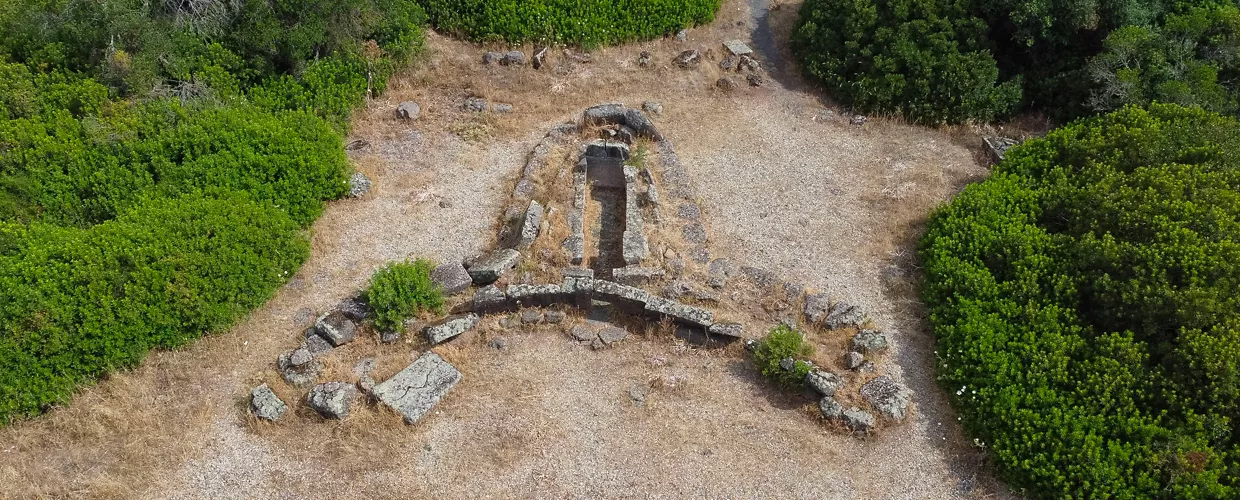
(450, 327)
(681, 313)
(452, 278)
(488, 268)
(535, 295)
(418, 388)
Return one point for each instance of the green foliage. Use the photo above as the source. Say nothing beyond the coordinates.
(81, 302)
(584, 22)
(401, 290)
(1083, 300)
(780, 343)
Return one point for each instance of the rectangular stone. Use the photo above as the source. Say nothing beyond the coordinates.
(535, 295)
(630, 299)
(419, 387)
(737, 48)
(681, 313)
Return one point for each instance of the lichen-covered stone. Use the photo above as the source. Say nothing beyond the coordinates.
(681, 313)
(408, 110)
(450, 327)
(636, 275)
(727, 330)
(869, 341)
(332, 399)
(530, 225)
(451, 278)
(265, 404)
(857, 419)
(336, 328)
(621, 295)
(826, 383)
(359, 185)
(535, 295)
(490, 267)
(489, 298)
(854, 360)
(887, 397)
(419, 387)
(830, 408)
(817, 307)
(605, 114)
(844, 314)
(611, 335)
(737, 48)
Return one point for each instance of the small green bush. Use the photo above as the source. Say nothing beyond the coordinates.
(400, 290)
(585, 22)
(780, 343)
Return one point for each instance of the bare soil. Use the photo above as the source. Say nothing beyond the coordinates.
(786, 184)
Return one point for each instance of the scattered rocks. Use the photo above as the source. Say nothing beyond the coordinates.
(869, 341)
(653, 107)
(645, 60)
(418, 388)
(451, 278)
(501, 108)
(332, 399)
(817, 306)
(857, 419)
(725, 84)
(844, 314)
(747, 63)
(488, 268)
(887, 397)
(853, 360)
(688, 59)
(475, 104)
(826, 383)
(355, 308)
(450, 327)
(265, 404)
(830, 408)
(336, 328)
(554, 317)
(408, 110)
(513, 58)
(737, 48)
(857, 120)
(359, 185)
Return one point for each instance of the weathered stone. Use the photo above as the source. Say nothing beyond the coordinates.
(887, 397)
(354, 308)
(364, 366)
(997, 147)
(626, 134)
(751, 345)
(817, 306)
(653, 107)
(315, 344)
(535, 295)
(694, 232)
(688, 59)
(583, 333)
(578, 57)
(682, 35)
(857, 419)
(578, 282)
(450, 327)
(844, 314)
(725, 84)
(869, 341)
(676, 266)
(408, 110)
(605, 114)
(366, 384)
(304, 316)
(575, 247)
(359, 185)
(677, 289)
(554, 317)
(531, 224)
(611, 334)
(788, 364)
(451, 278)
(645, 59)
(641, 124)
(489, 299)
(475, 104)
(867, 367)
(853, 360)
(501, 108)
(299, 356)
(759, 276)
(513, 58)
(737, 48)
(418, 388)
(336, 328)
(389, 336)
(830, 408)
(492, 57)
(634, 246)
(681, 313)
(636, 275)
(488, 268)
(623, 296)
(600, 148)
(531, 316)
(755, 80)
(728, 63)
(689, 211)
(332, 399)
(265, 404)
(826, 383)
(700, 254)
(637, 393)
(857, 120)
(727, 330)
(748, 63)
(718, 272)
(540, 57)
(498, 343)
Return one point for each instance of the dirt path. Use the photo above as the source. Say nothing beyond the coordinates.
(785, 184)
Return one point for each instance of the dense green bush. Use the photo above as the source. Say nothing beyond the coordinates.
(783, 342)
(1084, 303)
(400, 290)
(585, 22)
(78, 303)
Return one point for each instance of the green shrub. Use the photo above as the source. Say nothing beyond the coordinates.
(783, 342)
(400, 290)
(585, 22)
(78, 303)
(1083, 300)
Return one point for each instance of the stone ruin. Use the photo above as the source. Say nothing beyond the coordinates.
(603, 219)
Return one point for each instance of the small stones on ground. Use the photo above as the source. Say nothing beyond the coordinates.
(366, 384)
(751, 345)
(501, 108)
(359, 185)
(682, 35)
(830, 408)
(555, 317)
(492, 57)
(451, 278)
(725, 84)
(332, 399)
(853, 360)
(418, 388)
(817, 306)
(488, 268)
(645, 60)
(637, 393)
(475, 104)
(611, 335)
(389, 336)
(688, 59)
(748, 63)
(583, 333)
(265, 404)
(887, 397)
(498, 343)
(446, 204)
(857, 419)
(653, 107)
(718, 272)
(450, 327)
(857, 120)
(336, 328)
(728, 63)
(826, 383)
(844, 314)
(869, 341)
(759, 276)
(408, 110)
(737, 48)
(300, 356)
(303, 317)
(531, 316)
(755, 80)
(513, 58)
(867, 367)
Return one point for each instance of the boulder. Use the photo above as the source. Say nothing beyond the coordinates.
(513, 58)
(332, 399)
(450, 327)
(265, 404)
(844, 314)
(869, 341)
(531, 223)
(359, 185)
(535, 295)
(336, 328)
(408, 110)
(830, 408)
(354, 308)
(817, 306)
(688, 59)
(888, 398)
(418, 388)
(857, 419)
(853, 360)
(826, 383)
(475, 104)
(451, 278)
(737, 48)
(488, 268)
(727, 330)
(489, 299)
(681, 313)
(605, 114)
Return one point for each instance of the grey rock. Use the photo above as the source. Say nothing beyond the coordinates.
(857, 120)
(737, 48)
(418, 388)
(575, 247)
(689, 211)
(600, 148)
(844, 314)
(359, 185)
(488, 268)
(621, 295)
(748, 63)
(501, 108)
(857, 419)
(265, 404)
(652, 199)
(475, 104)
(641, 124)
(826, 383)
(450, 327)
(890, 399)
(688, 59)
(498, 343)
(554, 317)
(867, 367)
(636, 275)
(610, 335)
(676, 266)
(583, 333)
(408, 110)
(626, 133)
(788, 364)
(535, 295)
(751, 345)
(577, 285)
(492, 57)
(853, 360)
(489, 298)
(869, 341)
(605, 114)
(694, 232)
(389, 336)
(451, 278)
(700, 254)
(531, 316)
(513, 58)
(366, 384)
(531, 224)
(997, 147)
(354, 308)
(830, 408)
(336, 328)
(677, 289)
(681, 313)
(597, 344)
(728, 63)
(718, 272)
(725, 84)
(332, 399)
(363, 366)
(645, 59)
(637, 393)
(578, 57)
(727, 330)
(682, 35)
(300, 356)
(755, 80)
(653, 107)
(315, 344)
(817, 306)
